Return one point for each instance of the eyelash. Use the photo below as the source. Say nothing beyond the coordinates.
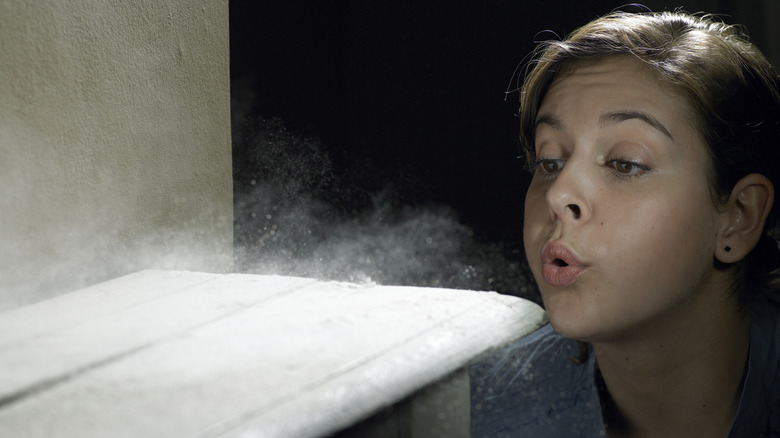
(533, 167)
(642, 169)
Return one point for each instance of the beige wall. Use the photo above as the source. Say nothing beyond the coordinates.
(114, 142)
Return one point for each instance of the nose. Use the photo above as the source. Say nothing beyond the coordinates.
(568, 196)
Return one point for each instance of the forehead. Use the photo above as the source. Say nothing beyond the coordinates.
(615, 83)
(621, 78)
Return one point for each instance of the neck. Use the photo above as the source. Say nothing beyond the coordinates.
(661, 380)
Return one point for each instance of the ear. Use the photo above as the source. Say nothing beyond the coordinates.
(743, 218)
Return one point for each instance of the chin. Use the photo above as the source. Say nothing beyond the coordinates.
(566, 327)
(570, 321)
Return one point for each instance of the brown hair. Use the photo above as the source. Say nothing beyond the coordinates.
(732, 90)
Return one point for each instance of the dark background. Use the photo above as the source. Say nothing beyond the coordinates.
(396, 107)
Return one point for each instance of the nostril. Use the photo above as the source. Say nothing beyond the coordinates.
(575, 210)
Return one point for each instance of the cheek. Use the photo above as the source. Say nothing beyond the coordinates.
(535, 215)
(670, 235)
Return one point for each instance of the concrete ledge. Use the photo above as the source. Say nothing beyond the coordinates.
(169, 353)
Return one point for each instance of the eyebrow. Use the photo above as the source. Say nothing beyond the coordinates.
(616, 117)
(612, 118)
(549, 120)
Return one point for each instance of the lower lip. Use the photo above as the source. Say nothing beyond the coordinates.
(560, 276)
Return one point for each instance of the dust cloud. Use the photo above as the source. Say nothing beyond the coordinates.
(297, 215)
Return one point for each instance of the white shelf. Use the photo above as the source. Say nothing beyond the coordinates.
(170, 353)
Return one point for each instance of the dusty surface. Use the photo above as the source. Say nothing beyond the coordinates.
(173, 353)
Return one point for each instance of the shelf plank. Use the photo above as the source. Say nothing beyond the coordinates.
(240, 355)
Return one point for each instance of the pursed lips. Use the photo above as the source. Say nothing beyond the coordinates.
(560, 266)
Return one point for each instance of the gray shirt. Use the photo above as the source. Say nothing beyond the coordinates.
(534, 388)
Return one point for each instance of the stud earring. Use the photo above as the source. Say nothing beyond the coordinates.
(728, 248)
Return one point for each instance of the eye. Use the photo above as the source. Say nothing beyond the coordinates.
(551, 166)
(622, 166)
(547, 166)
(627, 168)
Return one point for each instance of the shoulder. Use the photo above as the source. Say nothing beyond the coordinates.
(533, 387)
(764, 362)
(760, 402)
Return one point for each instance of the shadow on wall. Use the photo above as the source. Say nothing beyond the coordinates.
(290, 220)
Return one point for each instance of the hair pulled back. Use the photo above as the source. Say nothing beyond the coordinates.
(731, 88)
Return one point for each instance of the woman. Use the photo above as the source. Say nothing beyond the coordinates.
(653, 140)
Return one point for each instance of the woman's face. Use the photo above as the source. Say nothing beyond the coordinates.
(619, 222)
